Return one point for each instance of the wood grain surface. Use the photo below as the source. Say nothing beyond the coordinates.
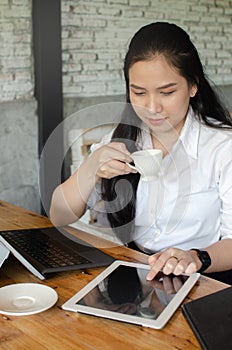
(56, 329)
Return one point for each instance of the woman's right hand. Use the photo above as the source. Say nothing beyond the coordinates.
(70, 198)
(111, 160)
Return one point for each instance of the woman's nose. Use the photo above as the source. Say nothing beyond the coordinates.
(153, 105)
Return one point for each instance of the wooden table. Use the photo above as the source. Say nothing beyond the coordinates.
(57, 329)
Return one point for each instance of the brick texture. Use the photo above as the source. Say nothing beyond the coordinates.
(95, 35)
(16, 61)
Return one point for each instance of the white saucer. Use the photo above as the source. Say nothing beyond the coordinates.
(26, 299)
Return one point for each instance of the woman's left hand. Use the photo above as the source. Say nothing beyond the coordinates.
(173, 260)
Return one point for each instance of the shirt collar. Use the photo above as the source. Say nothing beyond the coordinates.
(190, 134)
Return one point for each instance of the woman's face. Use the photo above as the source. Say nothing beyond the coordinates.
(159, 94)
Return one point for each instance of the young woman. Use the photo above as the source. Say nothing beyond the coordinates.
(183, 219)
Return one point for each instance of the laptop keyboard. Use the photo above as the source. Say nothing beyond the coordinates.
(43, 249)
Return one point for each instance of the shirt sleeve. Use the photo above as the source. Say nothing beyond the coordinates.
(225, 193)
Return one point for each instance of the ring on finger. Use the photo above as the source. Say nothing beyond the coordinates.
(175, 257)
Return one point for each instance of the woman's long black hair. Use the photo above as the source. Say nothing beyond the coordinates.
(174, 44)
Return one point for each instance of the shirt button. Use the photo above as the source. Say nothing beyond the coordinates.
(156, 234)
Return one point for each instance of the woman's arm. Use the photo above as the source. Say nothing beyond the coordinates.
(220, 254)
(178, 261)
(69, 199)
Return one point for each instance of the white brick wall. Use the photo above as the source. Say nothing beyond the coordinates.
(16, 62)
(95, 35)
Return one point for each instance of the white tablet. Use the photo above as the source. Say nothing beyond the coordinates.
(122, 293)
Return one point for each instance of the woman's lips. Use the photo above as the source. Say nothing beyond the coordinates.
(156, 121)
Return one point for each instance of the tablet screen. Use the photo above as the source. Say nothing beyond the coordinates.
(126, 291)
(121, 292)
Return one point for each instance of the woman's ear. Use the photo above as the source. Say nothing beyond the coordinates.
(193, 90)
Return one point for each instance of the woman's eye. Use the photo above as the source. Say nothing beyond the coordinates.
(139, 93)
(166, 93)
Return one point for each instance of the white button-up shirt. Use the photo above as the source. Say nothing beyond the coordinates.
(190, 204)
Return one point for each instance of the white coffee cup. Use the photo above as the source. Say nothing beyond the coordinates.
(147, 163)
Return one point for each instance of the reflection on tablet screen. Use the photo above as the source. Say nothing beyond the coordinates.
(127, 291)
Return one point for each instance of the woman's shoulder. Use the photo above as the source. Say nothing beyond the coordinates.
(216, 142)
(205, 137)
(210, 125)
(220, 133)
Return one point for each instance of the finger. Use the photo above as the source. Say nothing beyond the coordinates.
(157, 262)
(180, 267)
(130, 169)
(192, 267)
(151, 274)
(106, 153)
(170, 265)
(166, 261)
(114, 168)
(123, 167)
(121, 147)
(185, 267)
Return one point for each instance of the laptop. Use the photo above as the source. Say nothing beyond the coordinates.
(44, 251)
(4, 253)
